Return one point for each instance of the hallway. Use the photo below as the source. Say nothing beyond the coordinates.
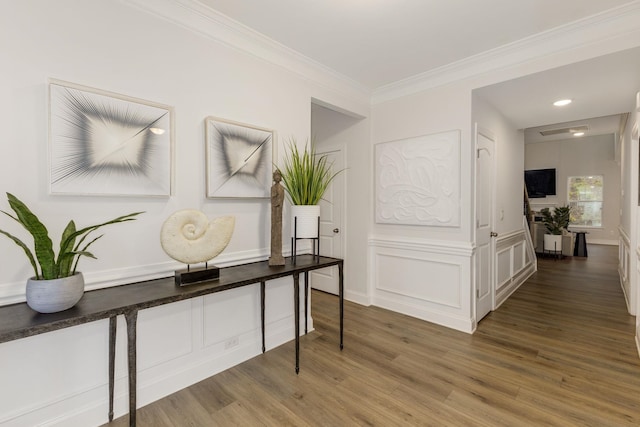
(559, 352)
(570, 321)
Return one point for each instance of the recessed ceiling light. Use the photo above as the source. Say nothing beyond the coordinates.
(578, 134)
(562, 102)
(157, 131)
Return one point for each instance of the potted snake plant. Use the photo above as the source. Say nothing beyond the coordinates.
(305, 177)
(56, 284)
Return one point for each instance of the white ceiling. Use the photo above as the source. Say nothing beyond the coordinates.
(379, 42)
(602, 86)
(596, 126)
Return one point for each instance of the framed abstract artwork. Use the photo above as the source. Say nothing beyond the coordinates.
(239, 159)
(102, 143)
(418, 180)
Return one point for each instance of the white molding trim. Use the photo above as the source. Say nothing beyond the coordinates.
(624, 235)
(445, 247)
(616, 22)
(357, 297)
(449, 320)
(430, 307)
(507, 243)
(203, 20)
(609, 242)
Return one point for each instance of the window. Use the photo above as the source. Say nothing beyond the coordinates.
(585, 199)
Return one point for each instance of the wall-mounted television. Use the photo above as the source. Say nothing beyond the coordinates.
(540, 182)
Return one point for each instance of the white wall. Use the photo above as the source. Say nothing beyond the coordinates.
(112, 46)
(425, 271)
(437, 261)
(509, 165)
(589, 155)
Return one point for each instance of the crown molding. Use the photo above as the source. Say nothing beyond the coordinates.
(194, 16)
(616, 23)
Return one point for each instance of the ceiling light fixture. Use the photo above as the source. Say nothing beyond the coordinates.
(157, 131)
(562, 102)
(578, 134)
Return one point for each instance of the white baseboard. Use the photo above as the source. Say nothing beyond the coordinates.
(445, 319)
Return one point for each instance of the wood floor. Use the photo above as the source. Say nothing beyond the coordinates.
(559, 352)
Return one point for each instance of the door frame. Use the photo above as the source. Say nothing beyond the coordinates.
(480, 130)
(340, 151)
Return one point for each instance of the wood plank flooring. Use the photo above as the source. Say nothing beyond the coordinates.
(559, 352)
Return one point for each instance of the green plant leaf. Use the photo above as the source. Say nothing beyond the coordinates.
(64, 262)
(70, 242)
(84, 252)
(43, 247)
(305, 175)
(27, 251)
(66, 245)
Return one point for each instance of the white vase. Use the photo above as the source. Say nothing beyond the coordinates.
(553, 242)
(304, 221)
(51, 296)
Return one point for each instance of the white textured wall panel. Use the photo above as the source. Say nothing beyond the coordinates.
(418, 180)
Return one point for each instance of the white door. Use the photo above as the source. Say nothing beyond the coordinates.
(485, 163)
(331, 231)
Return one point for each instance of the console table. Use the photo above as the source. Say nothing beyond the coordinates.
(19, 321)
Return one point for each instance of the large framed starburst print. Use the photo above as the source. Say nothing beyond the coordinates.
(239, 159)
(102, 143)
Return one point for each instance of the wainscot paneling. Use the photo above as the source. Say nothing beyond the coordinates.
(426, 279)
(179, 344)
(515, 263)
(52, 371)
(624, 264)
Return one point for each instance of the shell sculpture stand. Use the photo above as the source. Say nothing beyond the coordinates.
(189, 237)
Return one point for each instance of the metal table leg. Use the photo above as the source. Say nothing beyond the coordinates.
(132, 318)
(262, 292)
(306, 300)
(296, 316)
(112, 362)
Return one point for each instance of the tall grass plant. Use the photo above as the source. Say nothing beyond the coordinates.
(305, 174)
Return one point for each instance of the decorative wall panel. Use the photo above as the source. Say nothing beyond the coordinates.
(108, 144)
(418, 180)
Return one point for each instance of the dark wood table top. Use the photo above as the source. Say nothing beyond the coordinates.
(20, 321)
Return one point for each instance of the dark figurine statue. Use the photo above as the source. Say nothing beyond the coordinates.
(277, 201)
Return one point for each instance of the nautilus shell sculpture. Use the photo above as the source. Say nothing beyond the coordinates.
(189, 237)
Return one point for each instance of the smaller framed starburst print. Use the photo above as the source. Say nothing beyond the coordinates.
(103, 143)
(239, 159)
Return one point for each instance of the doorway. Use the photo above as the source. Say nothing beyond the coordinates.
(485, 188)
(328, 128)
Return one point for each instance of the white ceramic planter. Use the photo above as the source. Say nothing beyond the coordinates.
(51, 296)
(304, 218)
(553, 242)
